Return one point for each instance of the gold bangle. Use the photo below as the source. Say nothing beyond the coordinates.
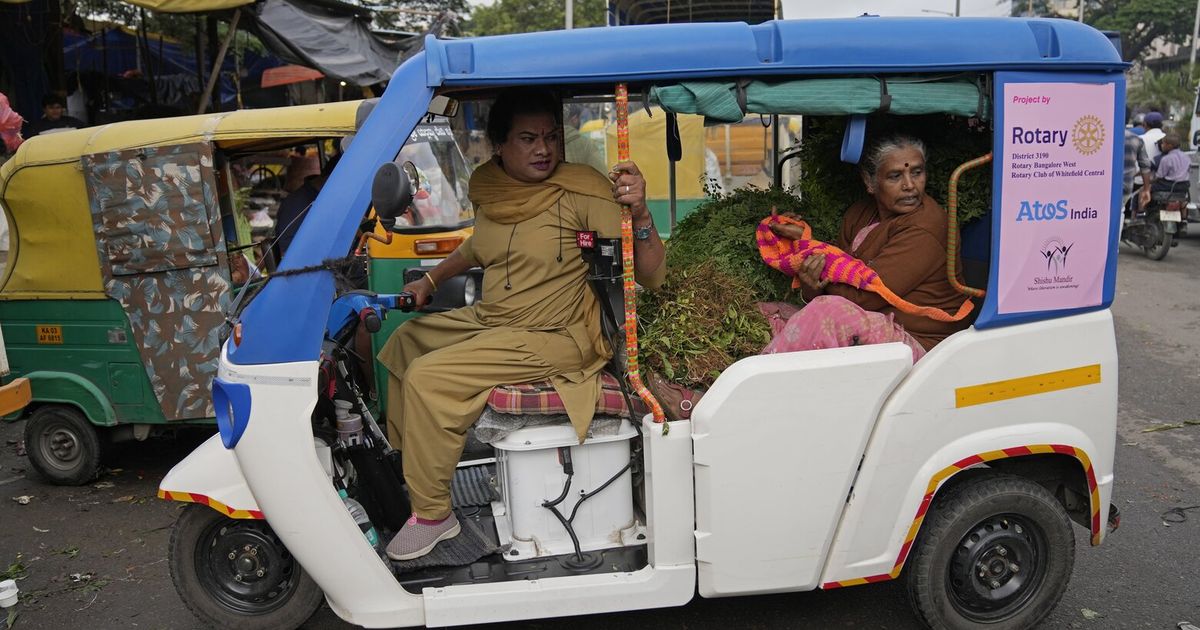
(430, 279)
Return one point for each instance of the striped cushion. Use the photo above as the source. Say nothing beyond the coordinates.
(539, 398)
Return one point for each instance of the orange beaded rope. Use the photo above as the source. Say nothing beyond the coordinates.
(629, 287)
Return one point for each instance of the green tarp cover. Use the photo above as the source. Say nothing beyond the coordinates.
(718, 101)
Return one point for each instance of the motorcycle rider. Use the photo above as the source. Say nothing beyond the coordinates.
(1173, 166)
(1154, 132)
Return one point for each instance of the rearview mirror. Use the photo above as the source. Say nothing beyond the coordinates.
(443, 106)
(392, 192)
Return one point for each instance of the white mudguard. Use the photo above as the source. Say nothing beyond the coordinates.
(1037, 388)
(210, 475)
(777, 441)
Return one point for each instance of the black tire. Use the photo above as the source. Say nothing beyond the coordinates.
(1009, 528)
(225, 592)
(1162, 244)
(62, 445)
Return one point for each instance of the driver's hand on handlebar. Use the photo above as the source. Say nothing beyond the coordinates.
(421, 289)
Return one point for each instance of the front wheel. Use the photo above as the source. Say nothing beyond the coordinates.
(62, 445)
(235, 573)
(995, 553)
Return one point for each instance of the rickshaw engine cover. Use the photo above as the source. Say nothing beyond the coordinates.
(530, 474)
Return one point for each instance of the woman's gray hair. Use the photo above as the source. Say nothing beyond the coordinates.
(875, 154)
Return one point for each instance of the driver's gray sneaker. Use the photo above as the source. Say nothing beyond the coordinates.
(419, 536)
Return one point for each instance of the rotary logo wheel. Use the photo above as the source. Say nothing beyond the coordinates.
(1088, 135)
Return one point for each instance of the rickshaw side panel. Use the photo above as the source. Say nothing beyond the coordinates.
(970, 401)
(778, 440)
(93, 340)
(162, 256)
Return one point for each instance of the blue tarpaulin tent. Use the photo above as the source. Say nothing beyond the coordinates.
(114, 52)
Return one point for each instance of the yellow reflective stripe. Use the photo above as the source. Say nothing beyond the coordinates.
(1026, 386)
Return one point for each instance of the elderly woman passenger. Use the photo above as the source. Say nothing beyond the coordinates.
(538, 318)
(898, 231)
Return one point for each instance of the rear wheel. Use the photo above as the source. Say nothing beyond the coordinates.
(235, 573)
(995, 553)
(62, 445)
(1160, 241)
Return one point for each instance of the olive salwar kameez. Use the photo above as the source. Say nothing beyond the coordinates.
(538, 318)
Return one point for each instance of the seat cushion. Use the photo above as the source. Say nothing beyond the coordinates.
(540, 398)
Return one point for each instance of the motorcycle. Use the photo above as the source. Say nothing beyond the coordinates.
(1155, 227)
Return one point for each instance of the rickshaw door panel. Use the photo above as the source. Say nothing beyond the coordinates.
(162, 256)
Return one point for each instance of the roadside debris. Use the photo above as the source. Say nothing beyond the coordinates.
(24, 499)
(1174, 425)
(1183, 625)
(8, 599)
(69, 552)
(1177, 515)
(40, 530)
(103, 485)
(15, 570)
(1090, 614)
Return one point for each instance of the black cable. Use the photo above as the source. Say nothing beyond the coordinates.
(597, 490)
(507, 257)
(1178, 514)
(569, 523)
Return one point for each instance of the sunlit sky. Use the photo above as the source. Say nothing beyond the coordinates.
(850, 8)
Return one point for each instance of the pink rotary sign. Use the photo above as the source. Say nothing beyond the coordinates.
(1056, 194)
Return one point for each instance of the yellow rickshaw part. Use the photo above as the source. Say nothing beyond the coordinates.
(405, 245)
(15, 396)
(45, 196)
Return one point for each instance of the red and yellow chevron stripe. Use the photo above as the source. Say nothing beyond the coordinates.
(192, 497)
(949, 471)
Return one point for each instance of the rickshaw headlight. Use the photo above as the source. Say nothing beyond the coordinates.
(469, 292)
(231, 404)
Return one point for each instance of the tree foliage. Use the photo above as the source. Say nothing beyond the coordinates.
(416, 15)
(527, 16)
(1140, 22)
(1169, 92)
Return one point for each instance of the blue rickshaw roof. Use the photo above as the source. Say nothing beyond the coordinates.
(829, 46)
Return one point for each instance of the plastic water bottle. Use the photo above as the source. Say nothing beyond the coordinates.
(350, 429)
(361, 519)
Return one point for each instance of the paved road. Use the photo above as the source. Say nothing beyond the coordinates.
(93, 557)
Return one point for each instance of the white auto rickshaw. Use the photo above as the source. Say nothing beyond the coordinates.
(962, 473)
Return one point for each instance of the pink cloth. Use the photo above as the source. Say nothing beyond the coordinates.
(831, 321)
(10, 125)
(862, 236)
(777, 314)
